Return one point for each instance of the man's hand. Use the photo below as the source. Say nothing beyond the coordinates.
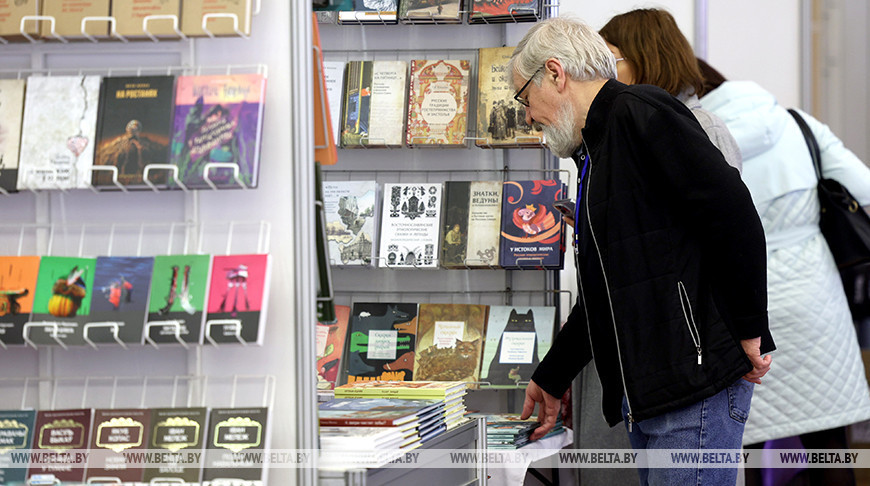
(760, 366)
(547, 412)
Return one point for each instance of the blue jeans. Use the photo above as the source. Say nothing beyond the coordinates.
(713, 423)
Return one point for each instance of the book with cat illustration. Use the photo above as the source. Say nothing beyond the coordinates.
(380, 342)
(18, 276)
(329, 347)
(176, 306)
(470, 228)
(517, 338)
(238, 297)
(119, 308)
(63, 300)
(532, 235)
(11, 112)
(450, 340)
(410, 225)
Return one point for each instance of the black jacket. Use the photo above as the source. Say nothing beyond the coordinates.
(671, 261)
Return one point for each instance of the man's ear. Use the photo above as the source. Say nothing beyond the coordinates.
(556, 73)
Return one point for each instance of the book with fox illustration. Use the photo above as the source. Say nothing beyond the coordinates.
(380, 342)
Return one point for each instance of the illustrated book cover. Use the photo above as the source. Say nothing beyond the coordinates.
(134, 126)
(329, 347)
(501, 121)
(410, 224)
(370, 12)
(116, 431)
(59, 431)
(173, 430)
(18, 279)
(438, 102)
(121, 304)
(16, 433)
(531, 228)
(517, 339)
(57, 132)
(11, 114)
(351, 221)
(63, 301)
(450, 341)
(380, 342)
(471, 225)
(218, 119)
(488, 11)
(177, 301)
(375, 96)
(430, 11)
(231, 431)
(238, 298)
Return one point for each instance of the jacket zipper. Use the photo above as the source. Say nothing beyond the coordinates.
(690, 317)
(607, 289)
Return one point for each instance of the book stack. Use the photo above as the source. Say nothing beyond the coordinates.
(508, 431)
(427, 417)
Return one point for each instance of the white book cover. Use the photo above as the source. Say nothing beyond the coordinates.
(410, 225)
(389, 97)
(11, 111)
(351, 221)
(57, 139)
(333, 76)
(484, 224)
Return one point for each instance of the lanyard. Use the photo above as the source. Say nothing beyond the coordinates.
(584, 156)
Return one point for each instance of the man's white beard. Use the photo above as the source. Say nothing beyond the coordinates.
(563, 138)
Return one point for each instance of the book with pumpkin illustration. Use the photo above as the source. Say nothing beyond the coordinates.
(450, 341)
(63, 300)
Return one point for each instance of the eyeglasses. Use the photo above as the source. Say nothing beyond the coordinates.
(620, 59)
(523, 101)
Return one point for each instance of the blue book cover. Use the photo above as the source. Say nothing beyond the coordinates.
(531, 228)
(122, 286)
(16, 432)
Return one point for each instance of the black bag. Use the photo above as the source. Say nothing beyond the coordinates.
(846, 227)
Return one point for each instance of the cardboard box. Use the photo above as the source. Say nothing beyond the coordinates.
(130, 18)
(193, 11)
(11, 12)
(68, 15)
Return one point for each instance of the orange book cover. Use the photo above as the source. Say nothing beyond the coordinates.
(18, 275)
(324, 140)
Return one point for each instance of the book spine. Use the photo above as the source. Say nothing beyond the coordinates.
(344, 422)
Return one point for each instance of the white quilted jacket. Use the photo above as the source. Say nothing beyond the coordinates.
(817, 379)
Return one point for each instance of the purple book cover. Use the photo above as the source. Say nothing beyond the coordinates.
(218, 119)
(531, 229)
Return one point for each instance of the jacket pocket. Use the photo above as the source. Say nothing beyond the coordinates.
(689, 317)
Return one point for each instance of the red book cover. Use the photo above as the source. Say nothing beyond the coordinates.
(64, 432)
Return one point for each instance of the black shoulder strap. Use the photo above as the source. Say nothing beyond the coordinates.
(815, 153)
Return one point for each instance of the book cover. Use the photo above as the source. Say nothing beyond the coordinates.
(222, 17)
(351, 221)
(423, 407)
(233, 430)
(122, 285)
(366, 418)
(69, 16)
(333, 76)
(517, 338)
(57, 132)
(531, 228)
(11, 113)
(450, 342)
(501, 121)
(16, 433)
(132, 19)
(238, 298)
(134, 125)
(18, 277)
(61, 431)
(219, 119)
(173, 430)
(442, 390)
(430, 11)
(410, 225)
(370, 12)
(325, 146)
(63, 300)
(329, 347)
(471, 224)
(500, 10)
(177, 300)
(380, 342)
(438, 102)
(10, 20)
(374, 104)
(116, 431)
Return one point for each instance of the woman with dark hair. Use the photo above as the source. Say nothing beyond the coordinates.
(818, 386)
(650, 49)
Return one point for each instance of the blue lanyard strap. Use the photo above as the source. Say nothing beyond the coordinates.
(584, 156)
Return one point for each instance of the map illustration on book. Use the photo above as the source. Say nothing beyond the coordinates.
(11, 113)
(238, 298)
(438, 102)
(501, 121)
(531, 228)
(471, 224)
(329, 347)
(176, 304)
(18, 276)
(63, 300)
(57, 134)
(218, 120)
(351, 221)
(410, 225)
(133, 128)
(517, 338)
(380, 342)
(450, 340)
(121, 303)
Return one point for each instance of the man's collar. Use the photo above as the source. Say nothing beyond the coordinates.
(599, 110)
